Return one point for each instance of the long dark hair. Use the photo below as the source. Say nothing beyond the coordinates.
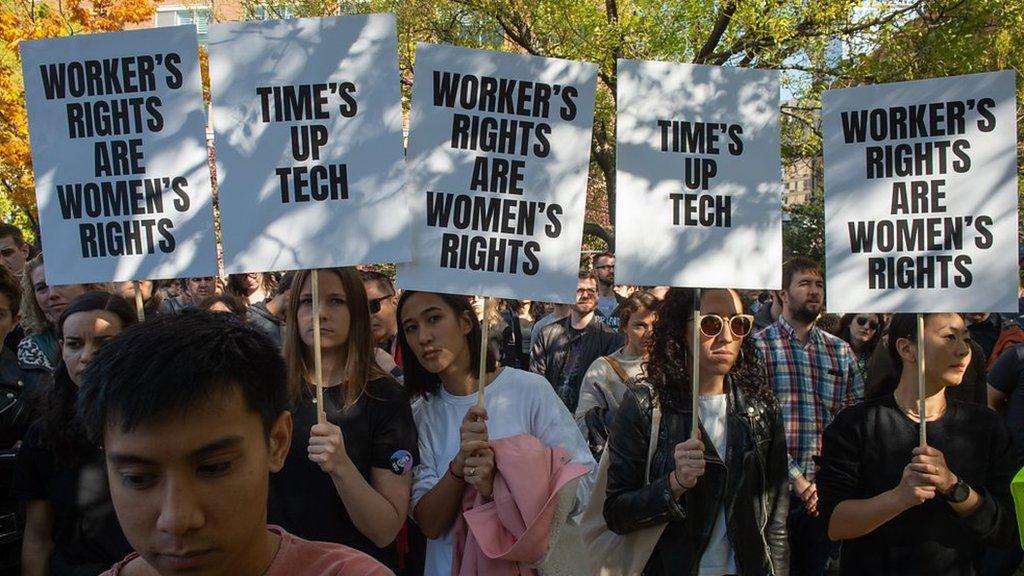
(900, 326)
(868, 347)
(670, 367)
(62, 430)
(418, 380)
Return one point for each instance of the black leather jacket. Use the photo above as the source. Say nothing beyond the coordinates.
(752, 483)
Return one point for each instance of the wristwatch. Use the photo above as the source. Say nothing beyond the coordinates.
(959, 493)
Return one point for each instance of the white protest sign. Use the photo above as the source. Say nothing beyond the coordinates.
(307, 119)
(499, 148)
(698, 189)
(119, 152)
(921, 195)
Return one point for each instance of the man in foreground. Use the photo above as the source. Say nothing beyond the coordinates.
(192, 413)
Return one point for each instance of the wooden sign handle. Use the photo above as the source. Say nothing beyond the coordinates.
(318, 362)
(484, 334)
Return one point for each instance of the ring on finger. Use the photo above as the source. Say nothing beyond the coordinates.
(472, 471)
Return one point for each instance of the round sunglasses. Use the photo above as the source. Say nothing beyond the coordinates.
(711, 325)
(862, 321)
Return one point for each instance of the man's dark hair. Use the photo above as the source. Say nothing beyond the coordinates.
(12, 231)
(10, 286)
(598, 256)
(587, 275)
(795, 265)
(174, 363)
(382, 280)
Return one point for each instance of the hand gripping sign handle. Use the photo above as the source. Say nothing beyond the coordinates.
(921, 392)
(484, 329)
(140, 308)
(695, 365)
(318, 377)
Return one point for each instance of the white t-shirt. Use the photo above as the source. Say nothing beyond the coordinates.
(518, 402)
(718, 557)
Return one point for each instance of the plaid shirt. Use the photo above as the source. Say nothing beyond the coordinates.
(813, 382)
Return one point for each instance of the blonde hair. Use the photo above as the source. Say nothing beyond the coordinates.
(360, 365)
(33, 319)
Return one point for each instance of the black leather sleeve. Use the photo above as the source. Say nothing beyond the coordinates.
(778, 496)
(630, 505)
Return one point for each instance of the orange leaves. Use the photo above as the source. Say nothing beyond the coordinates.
(22, 20)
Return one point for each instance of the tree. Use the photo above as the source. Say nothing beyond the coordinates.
(765, 34)
(803, 234)
(949, 38)
(29, 20)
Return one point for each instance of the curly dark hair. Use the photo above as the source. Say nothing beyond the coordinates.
(669, 368)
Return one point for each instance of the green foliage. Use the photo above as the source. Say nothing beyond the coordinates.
(804, 233)
(949, 38)
(758, 33)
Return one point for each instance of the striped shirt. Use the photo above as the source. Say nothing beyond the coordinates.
(813, 381)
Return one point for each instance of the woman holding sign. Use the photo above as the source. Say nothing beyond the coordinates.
(440, 339)
(346, 479)
(907, 509)
(724, 495)
(70, 525)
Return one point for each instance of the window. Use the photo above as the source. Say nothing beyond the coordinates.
(272, 13)
(199, 16)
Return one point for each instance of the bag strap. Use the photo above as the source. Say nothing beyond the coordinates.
(619, 370)
(655, 427)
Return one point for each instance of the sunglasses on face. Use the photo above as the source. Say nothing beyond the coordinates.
(871, 324)
(376, 302)
(711, 325)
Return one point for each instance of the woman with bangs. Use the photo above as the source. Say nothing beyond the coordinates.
(723, 496)
(440, 339)
(347, 480)
(905, 509)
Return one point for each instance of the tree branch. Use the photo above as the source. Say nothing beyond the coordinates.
(717, 32)
(595, 229)
(805, 29)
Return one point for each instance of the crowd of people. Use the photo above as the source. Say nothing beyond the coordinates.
(191, 438)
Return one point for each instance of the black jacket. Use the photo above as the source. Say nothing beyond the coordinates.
(562, 354)
(752, 483)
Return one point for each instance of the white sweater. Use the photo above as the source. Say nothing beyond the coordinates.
(518, 402)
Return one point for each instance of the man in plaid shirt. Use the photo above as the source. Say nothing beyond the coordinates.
(814, 375)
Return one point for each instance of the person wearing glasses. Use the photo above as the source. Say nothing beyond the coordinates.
(862, 332)
(383, 300)
(608, 301)
(814, 375)
(723, 495)
(347, 480)
(565, 349)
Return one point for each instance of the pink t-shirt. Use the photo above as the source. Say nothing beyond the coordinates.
(298, 557)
